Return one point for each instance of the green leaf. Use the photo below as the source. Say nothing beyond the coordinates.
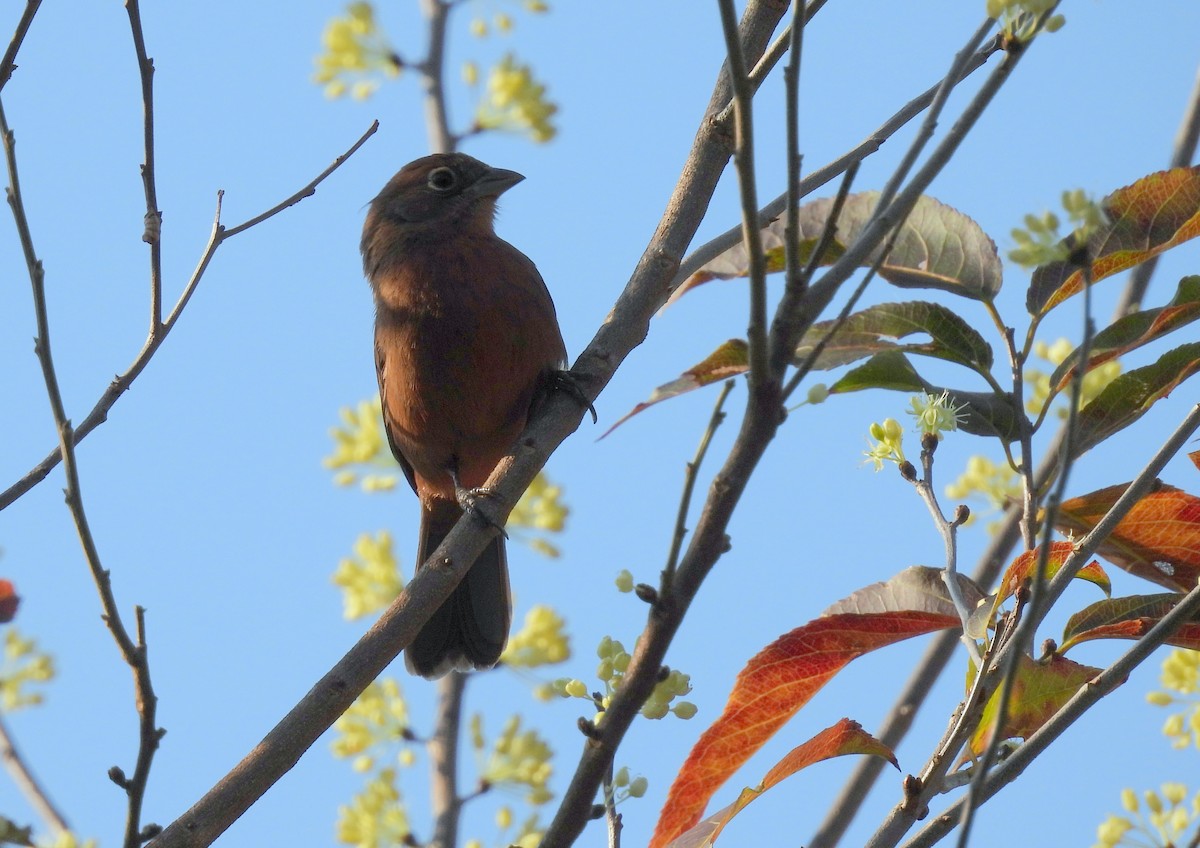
(1130, 396)
(937, 248)
(1154, 214)
(1133, 331)
(872, 331)
(985, 413)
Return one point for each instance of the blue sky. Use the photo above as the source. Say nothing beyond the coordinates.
(205, 487)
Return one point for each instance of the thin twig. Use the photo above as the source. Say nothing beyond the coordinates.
(99, 412)
(611, 816)
(134, 655)
(8, 63)
(925, 132)
(795, 283)
(743, 160)
(153, 218)
(949, 532)
(715, 247)
(689, 484)
(28, 783)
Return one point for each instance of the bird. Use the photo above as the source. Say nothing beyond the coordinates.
(467, 345)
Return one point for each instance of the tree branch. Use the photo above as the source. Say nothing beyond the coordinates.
(153, 218)
(134, 655)
(443, 761)
(8, 63)
(99, 412)
(27, 782)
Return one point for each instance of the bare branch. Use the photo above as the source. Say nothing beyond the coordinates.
(134, 655)
(8, 63)
(99, 412)
(27, 782)
(153, 218)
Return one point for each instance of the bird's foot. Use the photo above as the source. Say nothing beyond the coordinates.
(474, 501)
(565, 381)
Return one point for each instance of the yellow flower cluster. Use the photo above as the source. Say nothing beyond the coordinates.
(935, 414)
(542, 641)
(1181, 675)
(375, 817)
(1040, 241)
(370, 579)
(540, 508)
(1018, 18)
(614, 660)
(999, 484)
(518, 759)
(887, 445)
(356, 54)
(23, 667)
(378, 717)
(1164, 822)
(516, 102)
(64, 839)
(360, 442)
(1094, 381)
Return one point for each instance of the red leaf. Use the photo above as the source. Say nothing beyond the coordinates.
(845, 737)
(8, 601)
(1128, 618)
(1157, 212)
(1023, 568)
(1158, 540)
(729, 360)
(786, 674)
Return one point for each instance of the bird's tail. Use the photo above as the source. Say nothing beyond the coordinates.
(469, 630)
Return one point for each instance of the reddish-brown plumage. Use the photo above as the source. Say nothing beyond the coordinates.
(465, 341)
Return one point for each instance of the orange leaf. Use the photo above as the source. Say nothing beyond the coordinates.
(1157, 212)
(1128, 618)
(1040, 690)
(1194, 456)
(1024, 566)
(1158, 540)
(8, 601)
(786, 674)
(729, 360)
(845, 737)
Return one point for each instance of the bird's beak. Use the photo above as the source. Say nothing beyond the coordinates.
(495, 182)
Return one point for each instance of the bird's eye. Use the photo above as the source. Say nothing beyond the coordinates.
(442, 179)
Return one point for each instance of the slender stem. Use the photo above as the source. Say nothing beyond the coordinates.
(715, 247)
(611, 816)
(689, 484)
(99, 413)
(795, 283)
(8, 62)
(443, 761)
(743, 159)
(28, 783)
(153, 218)
(134, 655)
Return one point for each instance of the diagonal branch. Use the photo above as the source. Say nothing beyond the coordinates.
(8, 63)
(99, 412)
(27, 782)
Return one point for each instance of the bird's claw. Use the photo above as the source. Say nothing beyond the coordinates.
(471, 501)
(567, 382)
